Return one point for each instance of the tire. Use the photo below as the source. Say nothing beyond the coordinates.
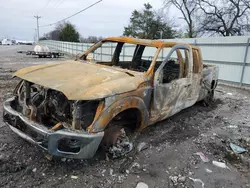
(209, 98)
(114, 139)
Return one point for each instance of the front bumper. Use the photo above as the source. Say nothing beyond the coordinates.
(38, 134)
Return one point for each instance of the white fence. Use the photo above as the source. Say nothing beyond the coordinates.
(230, 54)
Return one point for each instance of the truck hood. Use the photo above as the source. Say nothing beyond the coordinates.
(82, 80)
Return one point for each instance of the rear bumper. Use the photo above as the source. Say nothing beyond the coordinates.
(38, 134)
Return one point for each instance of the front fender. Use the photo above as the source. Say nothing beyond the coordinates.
(126, 103)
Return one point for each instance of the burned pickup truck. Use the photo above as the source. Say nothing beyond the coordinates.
(119, 86)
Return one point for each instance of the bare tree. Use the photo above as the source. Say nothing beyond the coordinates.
(225, 17)
(187, 9)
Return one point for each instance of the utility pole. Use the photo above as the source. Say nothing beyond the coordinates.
(35, 35)
(37, 25)
(161, 33)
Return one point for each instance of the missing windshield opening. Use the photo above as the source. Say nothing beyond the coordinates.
(122, 55)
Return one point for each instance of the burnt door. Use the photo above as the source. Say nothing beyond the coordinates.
(174, 84)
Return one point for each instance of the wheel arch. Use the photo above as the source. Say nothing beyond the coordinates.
(121, 106)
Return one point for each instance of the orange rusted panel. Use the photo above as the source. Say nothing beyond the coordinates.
(82, 81)
(146, 42)
(70, 100)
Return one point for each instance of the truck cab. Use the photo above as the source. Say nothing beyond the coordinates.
(174, 72)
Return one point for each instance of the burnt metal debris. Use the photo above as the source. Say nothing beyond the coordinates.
(67, 107)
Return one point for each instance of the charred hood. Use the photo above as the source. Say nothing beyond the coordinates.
(82, 80)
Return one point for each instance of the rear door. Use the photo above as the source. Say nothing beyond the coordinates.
(174, 84)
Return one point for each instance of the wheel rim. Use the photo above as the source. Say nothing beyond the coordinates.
(117, 142)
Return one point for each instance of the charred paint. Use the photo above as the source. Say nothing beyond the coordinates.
(103, 92)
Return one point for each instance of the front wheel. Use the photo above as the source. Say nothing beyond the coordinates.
(116, 141)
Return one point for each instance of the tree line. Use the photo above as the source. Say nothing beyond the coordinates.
(67, 32)
(201, 17)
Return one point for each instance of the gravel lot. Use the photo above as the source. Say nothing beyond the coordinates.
(168, 161)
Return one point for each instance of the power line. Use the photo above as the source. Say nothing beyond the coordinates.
(46, 5)
(72, 14)
(58, 3)
(48, 2)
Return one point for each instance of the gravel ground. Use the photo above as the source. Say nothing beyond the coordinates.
(169, 159)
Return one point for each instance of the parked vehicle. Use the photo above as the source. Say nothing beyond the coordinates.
(7, 42)
(44, 51)
(19, 42)
(13, 42)
(71, 107)
(45, 54)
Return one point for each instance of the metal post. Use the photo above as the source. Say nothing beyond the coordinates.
(75, 44)
(101, 52)
(245, 61)
(111, 53)
(37, 25)
(124, 48)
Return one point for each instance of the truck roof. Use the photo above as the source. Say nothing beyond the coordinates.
(147, 42)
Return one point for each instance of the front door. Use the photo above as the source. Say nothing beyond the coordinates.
(174, 84)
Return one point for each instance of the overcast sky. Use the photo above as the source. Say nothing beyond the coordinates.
(107, 18)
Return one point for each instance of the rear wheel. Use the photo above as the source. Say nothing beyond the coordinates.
(210, 96)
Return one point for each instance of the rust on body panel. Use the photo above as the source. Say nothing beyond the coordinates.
(66, 107)
(82, 81)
